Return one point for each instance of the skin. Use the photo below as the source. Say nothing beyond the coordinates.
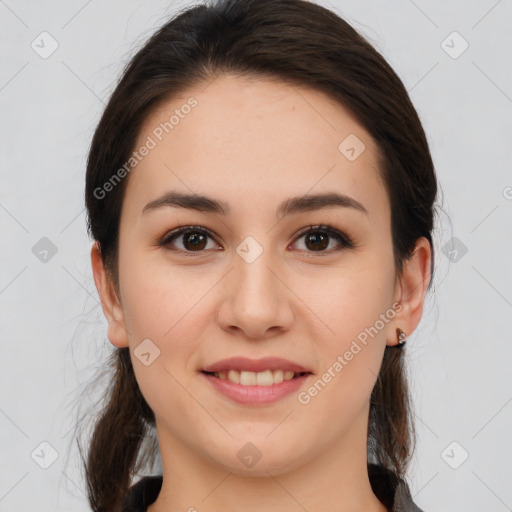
(254, 143)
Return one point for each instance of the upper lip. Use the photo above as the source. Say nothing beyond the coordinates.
(255, 365)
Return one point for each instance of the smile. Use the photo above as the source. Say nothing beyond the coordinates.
(253, 388)
(264, 378)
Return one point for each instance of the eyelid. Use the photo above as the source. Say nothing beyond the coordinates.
(345, 240)
(332, 232)
(180, 230)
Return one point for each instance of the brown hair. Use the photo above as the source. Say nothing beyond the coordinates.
(302, 43)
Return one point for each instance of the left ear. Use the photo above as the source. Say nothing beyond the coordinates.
(411, 288)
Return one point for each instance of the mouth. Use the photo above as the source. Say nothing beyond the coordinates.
(261, 388)
(263, 378)
(256, 381)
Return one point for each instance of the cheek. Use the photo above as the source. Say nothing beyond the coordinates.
(160, 300)
(351, 346)
(164, 305)
(351, 302)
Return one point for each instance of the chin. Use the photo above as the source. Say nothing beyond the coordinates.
(251, 461)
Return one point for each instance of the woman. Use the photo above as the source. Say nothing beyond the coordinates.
(260, 193)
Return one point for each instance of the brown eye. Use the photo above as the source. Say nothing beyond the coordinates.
(192, 238)
(318, 238)
(197, 241)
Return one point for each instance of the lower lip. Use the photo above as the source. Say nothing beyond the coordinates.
(256, 395)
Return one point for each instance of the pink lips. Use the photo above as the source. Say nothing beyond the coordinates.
(254, 365)
(255, 395)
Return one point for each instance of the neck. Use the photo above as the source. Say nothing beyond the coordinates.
(336, 479)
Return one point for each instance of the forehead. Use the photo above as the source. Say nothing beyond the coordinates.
(255, 139)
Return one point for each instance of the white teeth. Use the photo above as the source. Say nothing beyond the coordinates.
(248, 378)
(263, 378)
(288, 375)
(278, 376)
(266, 378)
(233, 376)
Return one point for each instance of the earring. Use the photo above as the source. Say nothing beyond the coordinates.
(401, 336)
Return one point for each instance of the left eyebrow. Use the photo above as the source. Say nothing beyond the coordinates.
(290, 206)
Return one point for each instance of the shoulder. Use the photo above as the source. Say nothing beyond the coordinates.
(142, 494)
(392, 491)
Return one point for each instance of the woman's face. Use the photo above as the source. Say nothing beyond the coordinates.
(259, 285)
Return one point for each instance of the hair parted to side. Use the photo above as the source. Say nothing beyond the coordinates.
(302, 43)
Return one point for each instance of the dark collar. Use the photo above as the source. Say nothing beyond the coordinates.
(393, 492)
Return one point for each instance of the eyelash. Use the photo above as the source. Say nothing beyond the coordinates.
(346, 241)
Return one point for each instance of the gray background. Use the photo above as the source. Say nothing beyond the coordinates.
(53, 333)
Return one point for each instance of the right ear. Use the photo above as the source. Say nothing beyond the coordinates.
(112, 309)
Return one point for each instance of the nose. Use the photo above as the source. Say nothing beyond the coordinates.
(256, 299)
